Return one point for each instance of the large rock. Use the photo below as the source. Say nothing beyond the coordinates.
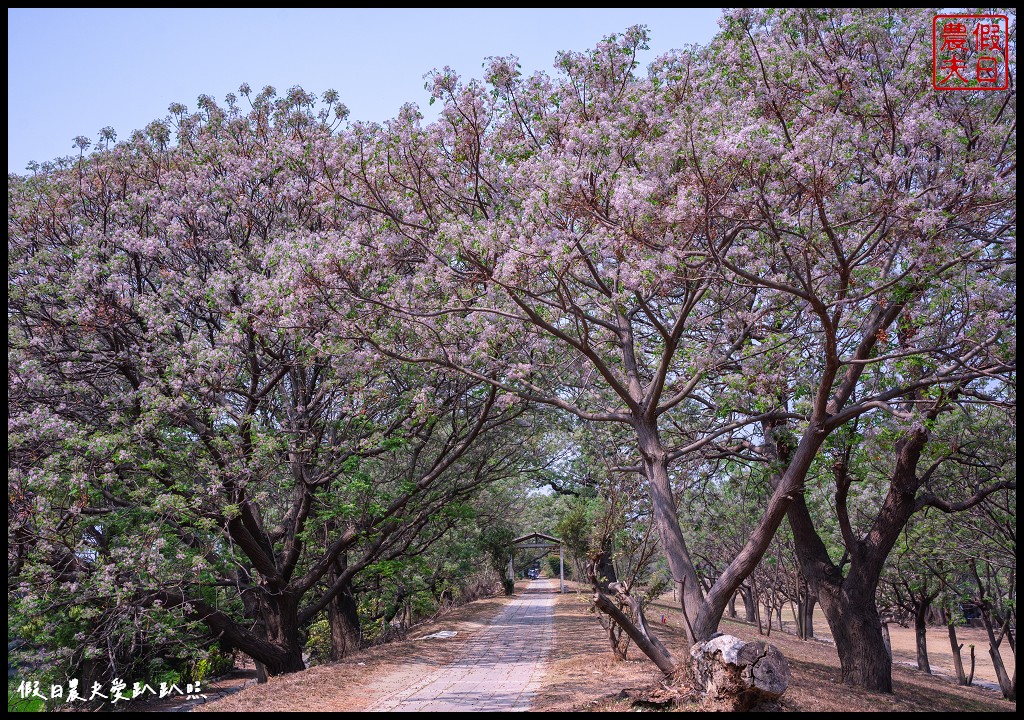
(737, 675)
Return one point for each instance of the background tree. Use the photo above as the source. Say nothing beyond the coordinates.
(990, 552)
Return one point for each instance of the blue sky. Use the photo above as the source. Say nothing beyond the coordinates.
(72, 72)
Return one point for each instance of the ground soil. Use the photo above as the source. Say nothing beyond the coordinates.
(582, 674)
(904, 645)
(815, 685)
(353, 684)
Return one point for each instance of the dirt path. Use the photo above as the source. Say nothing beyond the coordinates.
(499, 669)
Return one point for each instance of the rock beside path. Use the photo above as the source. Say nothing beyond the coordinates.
(734, 675)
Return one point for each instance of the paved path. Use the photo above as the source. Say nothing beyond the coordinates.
(500, 668)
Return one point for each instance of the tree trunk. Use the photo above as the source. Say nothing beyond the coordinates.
(997, 630)
(1007, 685)
(638, 631)
(619, 640)
(273, 643)
(749, 607)
(702, 615)
(732, 606)
(849, 607)
(956, 647)
(343, 614)
(281, 623)
(605, 568)
(849, 603)
(921, 636)
(806, 617)
(659, 487)
(887, 639)
(857, 631)
(785, 489)
(767, 617)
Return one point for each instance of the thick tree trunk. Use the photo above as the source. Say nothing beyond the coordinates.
(732, 606)
(849, 607)
(343, 615)
(281, 624)
(857, 631)
(605, 568)
(273, 644)
(921, 636)
(849, 603)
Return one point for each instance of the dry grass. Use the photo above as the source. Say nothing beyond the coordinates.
(815, 685)
(356, 682)
(904, 645)
(582, 674)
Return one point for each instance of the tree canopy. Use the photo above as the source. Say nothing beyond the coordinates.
(256, 351)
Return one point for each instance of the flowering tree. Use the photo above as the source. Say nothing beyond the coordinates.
(183, 444)
(719, 250)
(737, 256)
(887, 211)
(531, 239)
